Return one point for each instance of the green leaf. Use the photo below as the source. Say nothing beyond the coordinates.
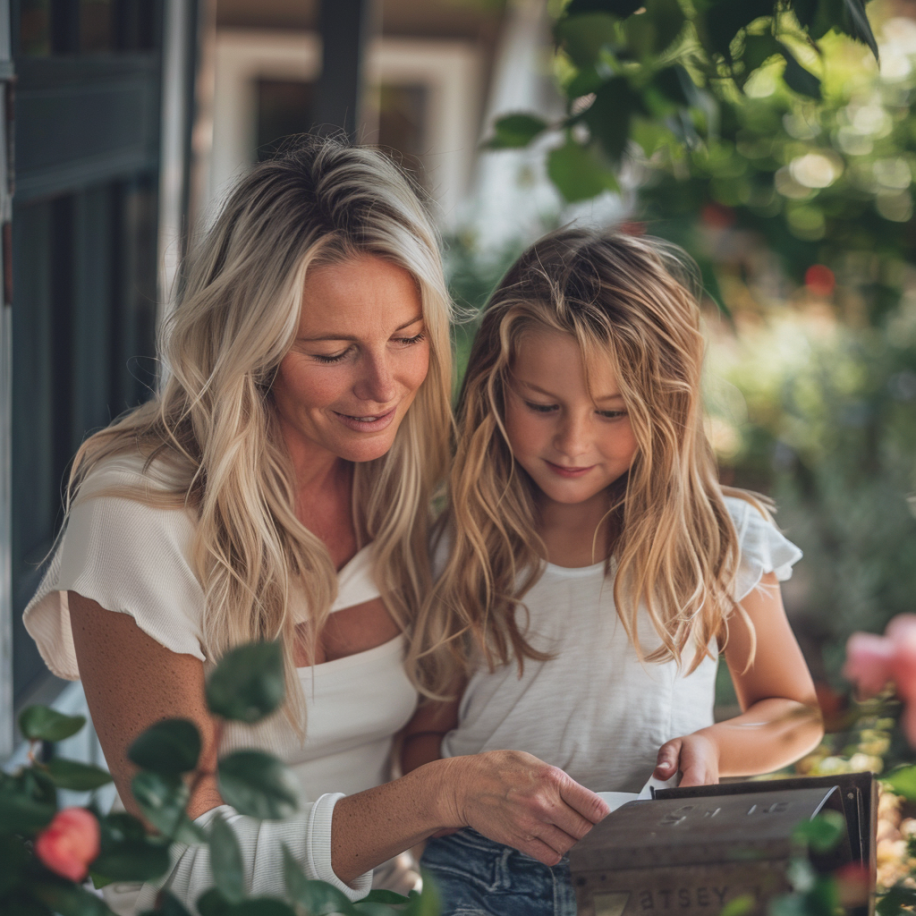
(131, 861)
(41, 723)
(259, 785)
(78, 777)
(226, 861)
(801, 875)
(427, 903)
(584, 37)
(858, 25)
(893, 902)
(247, 685)
(316, 897)
(578, 172)
(621, 8)
(162, 799)
(212, 903)
(13, 859)
(380, 895)
(821, 833)
(608, 117)
(24, 905)
(168, 747)
(261, 906)
(674, 85)
(724, 20)
(739, 906)
(758, 49)
(169, 905)
(798, 78)
(586, 81)
(68, 899)
(902, 781)
(515, 130)
(650, 33)
(21, 814)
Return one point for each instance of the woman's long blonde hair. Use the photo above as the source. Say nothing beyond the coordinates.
(213, 426)
(627, 302)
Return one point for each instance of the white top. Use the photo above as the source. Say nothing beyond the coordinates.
(594, 710)
(134, 559)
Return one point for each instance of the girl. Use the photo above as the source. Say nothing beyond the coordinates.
(595, 565)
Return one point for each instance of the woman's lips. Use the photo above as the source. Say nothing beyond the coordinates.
(566, 471)
(368, 423)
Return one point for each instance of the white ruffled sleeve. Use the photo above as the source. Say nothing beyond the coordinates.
(764, 549)
(130, 558)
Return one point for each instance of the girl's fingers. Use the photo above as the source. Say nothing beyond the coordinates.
(667, 760)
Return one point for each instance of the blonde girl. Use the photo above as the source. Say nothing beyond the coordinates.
(593, 564)
(279, 488)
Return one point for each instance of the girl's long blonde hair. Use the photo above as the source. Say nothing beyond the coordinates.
(626, 301)
(213, 426)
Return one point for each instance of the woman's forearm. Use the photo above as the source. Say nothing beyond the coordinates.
(770, 734)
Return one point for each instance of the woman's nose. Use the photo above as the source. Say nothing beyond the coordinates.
(377, 382)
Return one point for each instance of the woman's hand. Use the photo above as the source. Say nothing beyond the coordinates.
(696, 756)
(514, 798)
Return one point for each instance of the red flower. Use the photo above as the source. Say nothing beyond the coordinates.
(820, 280)
(69, 843)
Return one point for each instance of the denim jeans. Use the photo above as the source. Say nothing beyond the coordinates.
(477, 877)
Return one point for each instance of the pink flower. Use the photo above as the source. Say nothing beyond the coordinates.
(69, 843)
(874, 661)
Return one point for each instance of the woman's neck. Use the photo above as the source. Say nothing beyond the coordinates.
(575, 534)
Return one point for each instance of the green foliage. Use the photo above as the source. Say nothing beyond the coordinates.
(897, 900)
(821, 833)
(903, 781)
(78, 777)
(40, 723)
(247, 684)
(259, 785)
(226, 861)
(168, 747)
(683, 66)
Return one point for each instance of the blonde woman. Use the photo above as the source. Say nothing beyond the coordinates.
(595, 562)
(279, 488)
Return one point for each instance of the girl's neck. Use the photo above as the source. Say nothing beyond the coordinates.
(575, 535)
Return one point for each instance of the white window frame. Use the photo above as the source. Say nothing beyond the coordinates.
(451, 71)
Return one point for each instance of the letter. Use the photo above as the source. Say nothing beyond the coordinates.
(645, 900)
(702, 896)
(683, 896)
(666, 898)
(720, 892)
(752, 809)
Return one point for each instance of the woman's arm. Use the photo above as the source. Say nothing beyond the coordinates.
(423, 734)
(780, 720)
(131, 682)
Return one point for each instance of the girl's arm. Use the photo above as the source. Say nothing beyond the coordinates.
(780, 721)
(131, 681)
(423, 734)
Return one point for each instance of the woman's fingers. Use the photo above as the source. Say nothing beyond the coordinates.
(589, 807)
(666, 764)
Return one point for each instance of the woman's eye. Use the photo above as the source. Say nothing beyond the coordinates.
(612, 414)
(408, 341)
(330, 359)
(541, 408)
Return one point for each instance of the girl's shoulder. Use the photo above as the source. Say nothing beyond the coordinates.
(763, 547)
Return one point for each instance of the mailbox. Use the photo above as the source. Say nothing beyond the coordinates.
(691, 851)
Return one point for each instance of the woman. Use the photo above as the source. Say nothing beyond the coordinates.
(285, 473)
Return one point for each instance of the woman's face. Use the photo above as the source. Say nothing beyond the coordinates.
(360, 355)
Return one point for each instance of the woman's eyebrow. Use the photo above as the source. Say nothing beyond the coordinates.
(401, 327)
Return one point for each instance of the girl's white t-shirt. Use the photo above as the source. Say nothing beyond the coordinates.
(594, 709)
(135, 559)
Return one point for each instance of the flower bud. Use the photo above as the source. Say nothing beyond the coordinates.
(69, 843)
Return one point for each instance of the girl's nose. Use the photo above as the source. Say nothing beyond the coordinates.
(571, 439)
(377, 382)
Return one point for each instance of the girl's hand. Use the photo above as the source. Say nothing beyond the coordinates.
(696, 756)
(514, 798)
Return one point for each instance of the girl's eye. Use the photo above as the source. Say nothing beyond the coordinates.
(541, 408)
(612, 414)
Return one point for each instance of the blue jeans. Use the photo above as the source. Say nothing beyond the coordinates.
(477, 877)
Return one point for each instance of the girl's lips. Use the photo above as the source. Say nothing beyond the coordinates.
(367, 424)
(568, 472)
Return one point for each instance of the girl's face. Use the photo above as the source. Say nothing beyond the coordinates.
(360, 355)
(573, 446)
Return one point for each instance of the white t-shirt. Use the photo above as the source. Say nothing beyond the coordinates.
(134, 559)
(595, 710)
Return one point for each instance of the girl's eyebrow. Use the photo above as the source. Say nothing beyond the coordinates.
(406, 324)
(548, 394)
